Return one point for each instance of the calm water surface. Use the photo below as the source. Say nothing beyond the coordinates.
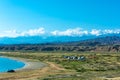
(10, 64)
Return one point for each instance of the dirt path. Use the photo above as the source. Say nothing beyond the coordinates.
(49, 70)
(116, 78)
(55, 66)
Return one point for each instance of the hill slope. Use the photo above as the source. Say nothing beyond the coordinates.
(101, 44)
(41, 39)
(108, 40)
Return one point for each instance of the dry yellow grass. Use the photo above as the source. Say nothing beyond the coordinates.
(55, 68)
(51, 69)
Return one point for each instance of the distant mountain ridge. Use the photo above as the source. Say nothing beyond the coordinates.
(108, 40)
(100, 44)
(39, 39)
(59, 39)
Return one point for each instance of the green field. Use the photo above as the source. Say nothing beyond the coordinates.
(95, 66)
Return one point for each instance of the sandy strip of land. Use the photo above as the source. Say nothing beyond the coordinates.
(29, 64)
(33, 70)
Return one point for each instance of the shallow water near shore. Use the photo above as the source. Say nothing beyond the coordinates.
(7, 64)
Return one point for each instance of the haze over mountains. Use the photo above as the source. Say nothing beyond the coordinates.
(57, 39)
(39, 39)
(103, 43)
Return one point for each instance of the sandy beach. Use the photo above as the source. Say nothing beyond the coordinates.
(32, 70)
(29, 64)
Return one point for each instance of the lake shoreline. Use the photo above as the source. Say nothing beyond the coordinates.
(30, 64)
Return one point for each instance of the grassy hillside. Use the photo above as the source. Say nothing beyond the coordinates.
(95, 66)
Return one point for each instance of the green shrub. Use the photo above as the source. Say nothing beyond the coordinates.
(81, 69)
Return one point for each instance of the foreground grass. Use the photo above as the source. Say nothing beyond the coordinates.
(96, 66)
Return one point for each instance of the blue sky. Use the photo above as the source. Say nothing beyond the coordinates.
(59, 17)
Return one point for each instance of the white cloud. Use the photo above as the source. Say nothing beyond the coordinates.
(80, 32)
(10, 33)
(70, 32)
(33, 32)
(14, 33)
(108, 31)
(117, 31)
(95, 32)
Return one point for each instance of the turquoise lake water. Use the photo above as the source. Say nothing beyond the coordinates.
(7, 64)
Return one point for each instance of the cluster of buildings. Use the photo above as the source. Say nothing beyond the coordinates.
(81, 58)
